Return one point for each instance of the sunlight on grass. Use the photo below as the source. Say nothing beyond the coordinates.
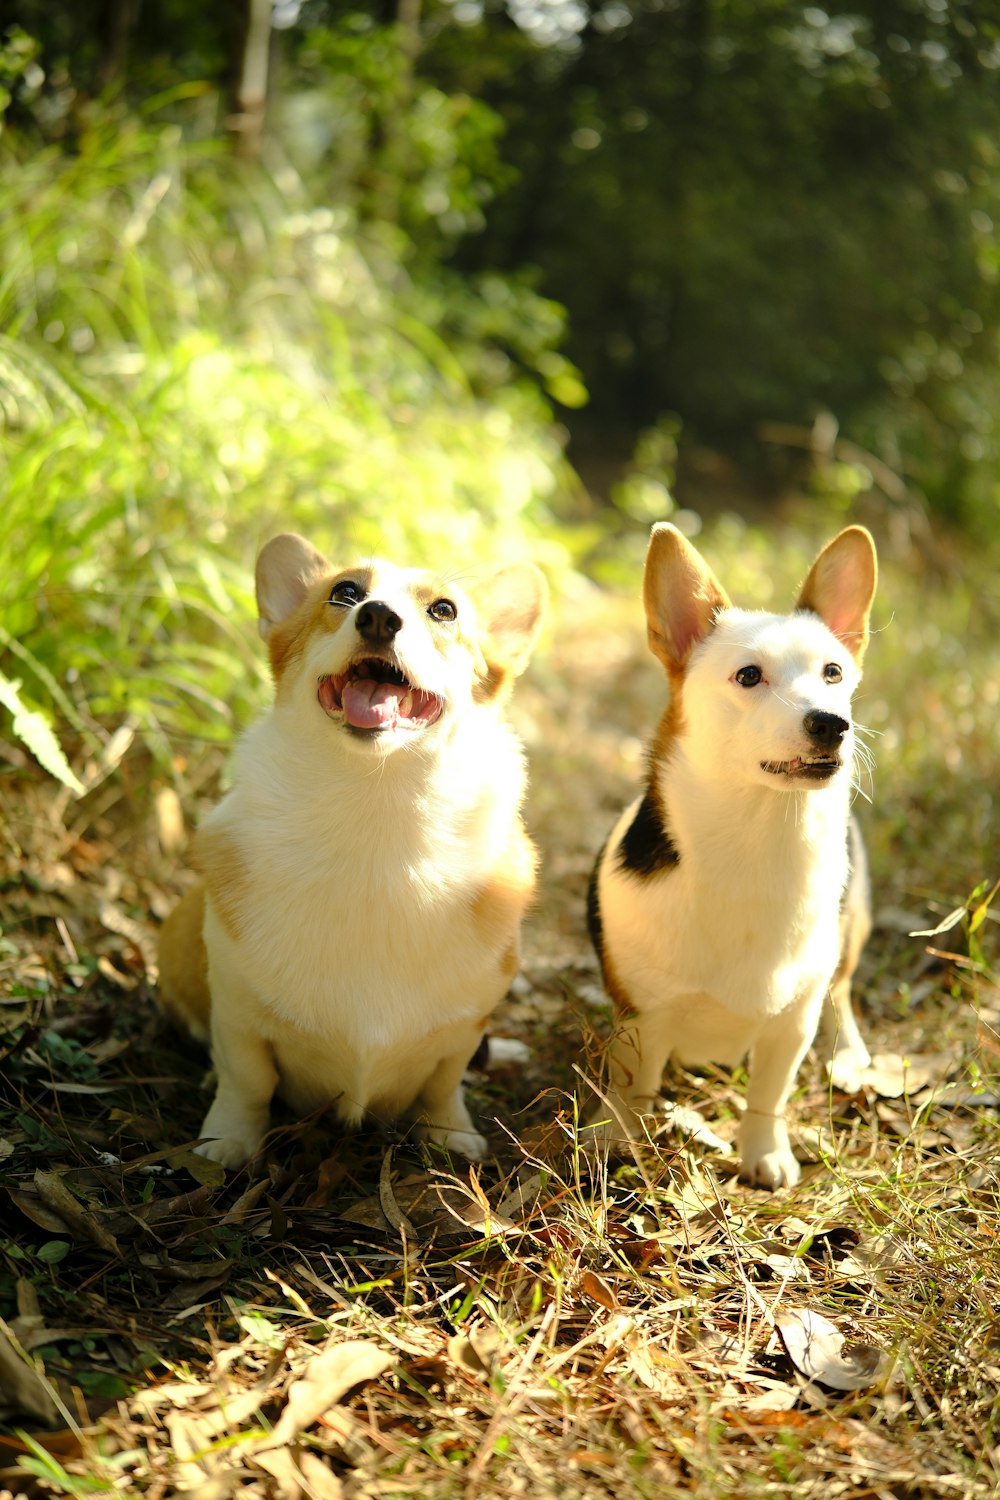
(194, 358)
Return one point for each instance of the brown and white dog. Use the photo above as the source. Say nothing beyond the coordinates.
(733, 891)
(364, 879)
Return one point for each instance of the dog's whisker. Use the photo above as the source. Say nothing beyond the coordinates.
(864, 756)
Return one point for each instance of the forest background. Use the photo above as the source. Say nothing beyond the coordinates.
(378, 266)
(489, 281)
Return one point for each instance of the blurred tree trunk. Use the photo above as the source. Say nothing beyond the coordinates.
(116, 23)
(253, 61)
(394, 148)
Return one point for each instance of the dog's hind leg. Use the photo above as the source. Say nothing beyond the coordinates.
(637, 1056)
(441, 1109)
(847, 1055)
(238, 1118)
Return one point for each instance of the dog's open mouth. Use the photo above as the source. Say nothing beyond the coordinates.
(374, 694)
(816, 768)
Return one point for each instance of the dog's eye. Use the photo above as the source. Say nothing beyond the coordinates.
(442, 609)
(832, 672)
(346, 592)
(749, 677)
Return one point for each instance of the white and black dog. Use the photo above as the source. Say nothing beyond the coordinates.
(733, 893)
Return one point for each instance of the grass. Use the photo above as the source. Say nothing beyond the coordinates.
(353, 1317)
(195, 355)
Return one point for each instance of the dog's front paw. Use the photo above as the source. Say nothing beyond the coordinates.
(468, 1143)
(766, 1156)
(777, 1169)
(231, 1132)
(229, 1150)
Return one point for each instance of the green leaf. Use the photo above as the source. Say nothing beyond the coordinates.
(978, 915)
(53, 1251)
(33, 730)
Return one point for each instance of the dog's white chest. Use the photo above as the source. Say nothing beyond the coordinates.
(360, 949)
(747, 923)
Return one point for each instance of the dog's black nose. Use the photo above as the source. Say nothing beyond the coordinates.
(825, 730)
(377, 623)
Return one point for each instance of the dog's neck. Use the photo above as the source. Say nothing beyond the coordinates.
(440, 780)
(717, 823)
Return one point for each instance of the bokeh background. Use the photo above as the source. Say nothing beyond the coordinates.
(468, 278)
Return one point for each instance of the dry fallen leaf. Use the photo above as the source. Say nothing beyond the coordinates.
(393, 1211)
(22, 1384)
(300, 1476)
(321, 1482)
(78, 1220)
(820, 1351)
(327, 1378)
(191, 1442)
(692, 1124)
(891, 1074)
(412, 1196)
(475, 1350)
(473, 1210)
(787, 1267)
(774, 1397)
(597, 1290)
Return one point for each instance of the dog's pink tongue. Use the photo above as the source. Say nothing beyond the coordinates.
(371, 705)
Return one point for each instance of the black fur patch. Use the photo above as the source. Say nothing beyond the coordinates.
(646, 848)
(594, 924)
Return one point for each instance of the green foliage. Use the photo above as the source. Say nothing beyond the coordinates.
(753, 212)
(197, 354)
(419, 166)
(34, 730)
(400, 150)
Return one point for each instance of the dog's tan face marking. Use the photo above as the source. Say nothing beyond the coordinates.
(312, 614)
(494, 683)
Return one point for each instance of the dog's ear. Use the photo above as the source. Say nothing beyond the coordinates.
(841, 586)
(287, 567)
(509, 606)
(681, 594)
